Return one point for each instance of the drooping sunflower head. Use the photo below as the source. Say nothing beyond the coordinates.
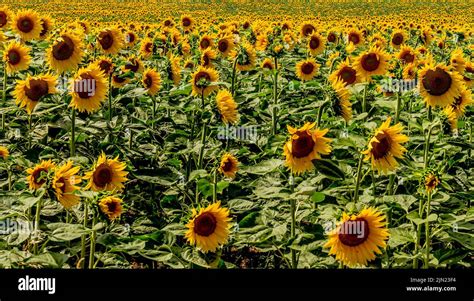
(47, 24)
(208, 57)
(460, 103)
(340, 100)
(120, 79)
(16, 57)
(358, 238)
(64, 184)
(438, 86)
(307, 29)
(398, 38)
(246, 57)
(4, 153)
(386, 146)
(111, 207)
(174, 69)
(225, 45)
(65, 53)
(229, 165)
(457, 60)
(6, 17)
(355, 37)
(305, 144)
(203, 81)
(316, 44)
(147, 47)
(106, 174)
(227, 107)
(371, 62)
(268, 64)
(431, 180)
(27, 24)
(38, 175)
(468, 76)
(151, 81)
(345, 72)
(89, 89)
(30, 91)
(110, 40)
(406, 55)
(307, 69)
(209, 227)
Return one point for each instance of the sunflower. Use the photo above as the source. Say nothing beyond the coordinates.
(27, 24)
(227, 107)
(111, 206)
(64, 184)
(106, 174)
(431, 180)
(438, 86)
(4, 153)
(110, 40)
(5, 17)
(316, 44)
(262, 42)
(409, 71)
(168, 22)
(208, 57)
(133, 64)
(46, 25)
(246, 57)
(147, 47)
(229, 165)
(341, 104)
(426, 36)
(268, 64)
(460, 103)
(357, 238)
(189, 64)
(355, 37)
(469, 74)
(151, 81)
(385, 146)
(16, 57)
(406, 55)
(457, 60)
(378, 40)
(209, 228)
(331, 37)
(104, 64)
(130, 39)
(65, 53)
(307, 29)
(305, 145)
(187, 23)
(307, 69)
(37, 175)
(120, 80)
(205, 42)
(203, 80)
(371, 62)
(225, 45)
(30, 91)
(346, 72)
(174, 70)
(398, 38)
(89, 89)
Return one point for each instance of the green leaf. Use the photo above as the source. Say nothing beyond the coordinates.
(318, 197)
(329, 168)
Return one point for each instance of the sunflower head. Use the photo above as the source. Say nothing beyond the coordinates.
(4, 153)
(406, 55)
(371, 62)
(16, 57)
(38, 175)
(225, 45)
(151, 81)
(307, 69)
(431, 180)
(174, 69)
(33, 89)
(246, 57)
(205, 42)
(268, 64)
(229, 165)
(457, 60)
(386, 146)
(358, 238)
(47, 24)
(307, 29)
(398, 38)
(66, 52)
(187, 22)
(438, 86)
(27, 24)
(209, 227)
(147, 47)
(133, 64)
(305, 144)
(340, 100)
(89, 89)
(208, 57)
(346, 73)
(316, 44)
(355, 37)
(111, 207)
(460, 103)
(110, 40)
(6, 17)
(106, 174)
(64, 184)
(203, 80)
(105, 65)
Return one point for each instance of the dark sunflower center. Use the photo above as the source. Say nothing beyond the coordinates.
(131, 38)
(133, 65)
(3, 18)
(37, 176)
(380, 149)
(437, 82)
(202, 79)
(432, 182)
(119, 79)
(25, 24)
(246, 25)
(112, 207)
(83, 86)
(222, 45)
(308, 29)
(268, 65)
(314, 43)
(303, 146)
(14, 57)
(370, 62)
(397, 39)
(102, 175)
(64, 49)
(167, 23)
(205, 43)
(186, 22)
(331, 37)
(355, 232)
(105, 66)
(205, 224)
(307, 68)
(206, 60)
(408, 57)
(149, 47)
(227, 166)
(38, 88)
(348, 75)
(148, 81)
(457, 102)
(45, 28)
(354, 38)
(106, 40)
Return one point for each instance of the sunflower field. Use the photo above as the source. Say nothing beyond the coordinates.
(229, 134)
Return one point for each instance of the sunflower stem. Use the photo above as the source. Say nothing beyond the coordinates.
(364, 101)
(320, 113)
(294, 263)
(427, 145)
(4, 92)
(73, 132)
(275, 99)
(427, 231)
(110, 97)
(373, 184)
(398, 107)
(153, 103)
(214, 194)
(83, 237)
(37, 225)
(92, 241)
(391, 182)
(359, 170)
(234, 74)
(430, 114)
